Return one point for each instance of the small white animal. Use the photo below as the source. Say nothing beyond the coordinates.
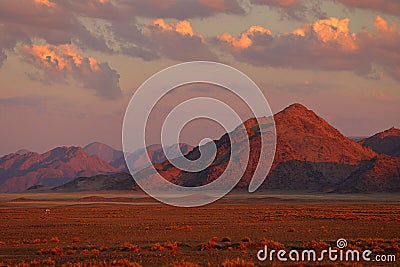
(47, 211)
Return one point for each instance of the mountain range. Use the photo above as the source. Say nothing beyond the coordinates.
(310, 156)
(386, 142)
(25, 169)
(57, 166)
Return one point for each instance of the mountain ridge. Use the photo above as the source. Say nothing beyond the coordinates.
(53, 167)
(386, 142)
(23, 169)
(311, 155)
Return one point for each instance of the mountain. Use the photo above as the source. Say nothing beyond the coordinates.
(138, 158)
(386, 142)
(155, 152)
(22, 151)
(357, 138)
(57, 166)
(314, 156)
(29, 170)
(118, 181)
(311, 155)
(103, 151)
(121, 181)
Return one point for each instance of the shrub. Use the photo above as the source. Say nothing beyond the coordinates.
(85, 252)
(316, 245)
(237, 263)
(157, 247)
(55, 251)
(271, 244)
(242, 247)
(226, 239)
(186, 227)
(211, 244)
(173, 246)
(131, 247)
(55, 240)
(183, 263)
(70, 252)
(246, 239)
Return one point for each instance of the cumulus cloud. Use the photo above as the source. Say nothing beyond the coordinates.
(51, 21)
(325, 44)
(245, 39)
(183, 9)
(302, 9)
(335, 31)
(294, 9)
(63, 60)
(177, 41)
(385, 6)
(382, 46)
(60, 22)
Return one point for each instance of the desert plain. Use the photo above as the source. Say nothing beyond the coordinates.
(130, 229)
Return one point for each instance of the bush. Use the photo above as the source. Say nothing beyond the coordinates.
(237, 263)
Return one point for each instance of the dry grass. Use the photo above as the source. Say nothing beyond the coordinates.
(316, 245)
(52, 251)
(111, 263)
(70, 252)
(226, 239)
(169, 245)
(130, 247)
(271, 244)
(44, 262)
(96, 239)
(237, 263)
(157, 247)
(173, 246)
(211, 244)
(55, 240)
(183, 263)
(182, 228)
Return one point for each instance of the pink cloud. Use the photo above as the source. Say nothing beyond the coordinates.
(326, 44)
(183, 9)
(61, 60)
(386, 6)
(176, 41)
(293, 9)
(244, 41)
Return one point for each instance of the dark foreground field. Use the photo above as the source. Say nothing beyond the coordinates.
(121, 230)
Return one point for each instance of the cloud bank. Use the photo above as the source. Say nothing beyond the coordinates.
(326, 44)
(63, 61)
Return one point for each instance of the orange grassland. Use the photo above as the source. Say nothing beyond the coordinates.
(123, 231)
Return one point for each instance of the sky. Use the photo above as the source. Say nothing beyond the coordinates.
(68, 68)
